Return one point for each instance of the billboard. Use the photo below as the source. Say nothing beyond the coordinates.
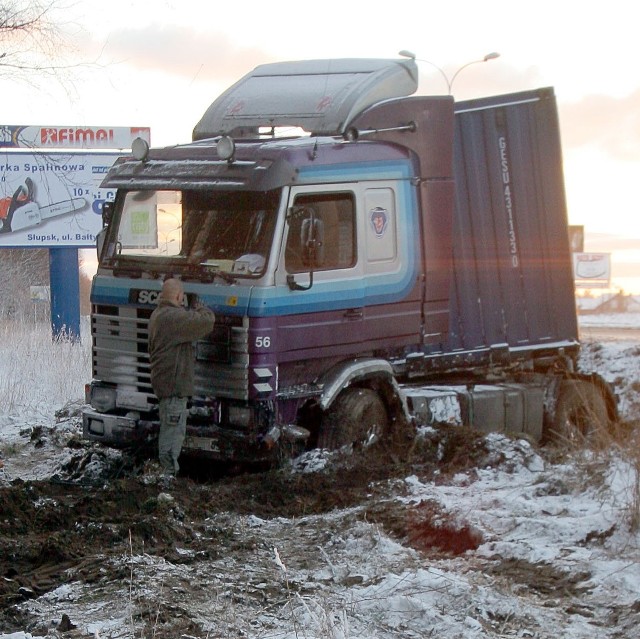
(71, 137)
(592, 270)
(52, 199)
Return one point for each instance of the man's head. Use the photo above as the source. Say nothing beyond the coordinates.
(172, 292)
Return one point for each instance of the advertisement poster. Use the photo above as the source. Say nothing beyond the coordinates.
(52, 199)
(71, 137)
(139, 227)
(592, 270)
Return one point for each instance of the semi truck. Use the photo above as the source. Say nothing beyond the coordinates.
(376, 260)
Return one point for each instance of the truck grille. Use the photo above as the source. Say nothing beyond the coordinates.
(120, 353)
(222, 360)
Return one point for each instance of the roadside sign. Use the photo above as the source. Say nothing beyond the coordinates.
(40, 293)
(52, 199)
(71, 137)
(592, 270)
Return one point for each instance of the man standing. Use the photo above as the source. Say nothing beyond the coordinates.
(172, 329)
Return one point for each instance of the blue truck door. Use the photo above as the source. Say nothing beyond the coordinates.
(319, 276)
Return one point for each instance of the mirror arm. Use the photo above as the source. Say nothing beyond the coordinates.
(100, 242)
(294, 286)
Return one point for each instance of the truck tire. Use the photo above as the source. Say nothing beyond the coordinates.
(581, 415)
(357, 418)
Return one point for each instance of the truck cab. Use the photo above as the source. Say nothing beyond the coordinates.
(302, 230)
(370, 256)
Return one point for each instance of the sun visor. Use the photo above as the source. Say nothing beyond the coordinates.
(319, 96)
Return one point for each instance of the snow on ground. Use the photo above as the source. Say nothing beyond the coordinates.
(552, 552)
(618, 320)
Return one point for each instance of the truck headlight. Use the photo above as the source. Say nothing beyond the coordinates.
(103, 399)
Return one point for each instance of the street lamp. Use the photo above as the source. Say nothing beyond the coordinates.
(163, 222)
(490, 56)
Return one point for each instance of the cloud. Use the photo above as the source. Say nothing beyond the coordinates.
(183, 52)
(609, 242)
(611, 124)
(607, 123)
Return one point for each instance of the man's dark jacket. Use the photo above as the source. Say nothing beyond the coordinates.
(172, 330)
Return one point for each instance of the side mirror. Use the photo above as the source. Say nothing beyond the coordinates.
(311, 248)
(312, 241)
(107, 213)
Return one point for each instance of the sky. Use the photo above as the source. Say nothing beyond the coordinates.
(127, 64)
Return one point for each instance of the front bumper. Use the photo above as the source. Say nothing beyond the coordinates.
(121, 431)
(210, 442)
(117, 430)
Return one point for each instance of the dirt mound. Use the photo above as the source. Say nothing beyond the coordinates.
(97, 508)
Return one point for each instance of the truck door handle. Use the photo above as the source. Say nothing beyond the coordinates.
(353, 314)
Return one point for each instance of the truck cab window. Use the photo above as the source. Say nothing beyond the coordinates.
(222, 230)
(331, 217)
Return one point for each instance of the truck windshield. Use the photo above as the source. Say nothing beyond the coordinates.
(225, 231)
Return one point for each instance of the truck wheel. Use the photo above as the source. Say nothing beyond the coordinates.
(581, 414)
(357, 418)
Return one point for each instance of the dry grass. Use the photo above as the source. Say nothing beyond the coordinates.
(632, 453)
(594, 446)
(39, 374)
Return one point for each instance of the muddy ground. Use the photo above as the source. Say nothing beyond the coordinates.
(80, 525)
(66, 528)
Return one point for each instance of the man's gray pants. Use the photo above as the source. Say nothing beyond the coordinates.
(173, 426)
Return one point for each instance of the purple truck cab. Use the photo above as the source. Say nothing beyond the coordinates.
(370, 257)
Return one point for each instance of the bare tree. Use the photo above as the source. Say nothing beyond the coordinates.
(31, 39)
(21, 269)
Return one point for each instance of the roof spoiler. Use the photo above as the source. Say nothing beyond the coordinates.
(319, 96)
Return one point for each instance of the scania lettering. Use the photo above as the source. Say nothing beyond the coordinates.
(384, 261)
(148, 297)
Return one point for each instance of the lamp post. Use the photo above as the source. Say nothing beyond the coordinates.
(163, 222)
(490, 56)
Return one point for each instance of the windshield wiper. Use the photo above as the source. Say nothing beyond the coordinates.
(198, 273)
(123, 271)
(227, 277)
